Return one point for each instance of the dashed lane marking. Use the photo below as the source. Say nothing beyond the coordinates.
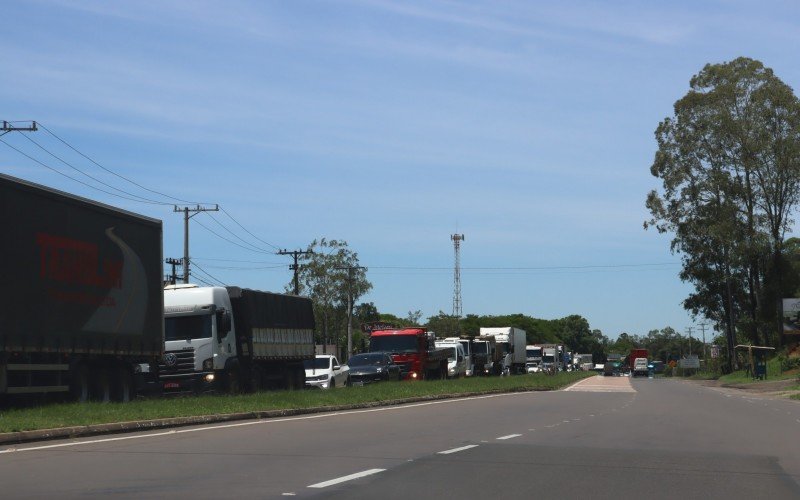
(456, 450)
(343, 479)
(510, 436)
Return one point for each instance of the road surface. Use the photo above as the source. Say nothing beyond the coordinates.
(606, 437)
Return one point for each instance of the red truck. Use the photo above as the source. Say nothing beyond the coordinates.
(414, 350)
(632, 357)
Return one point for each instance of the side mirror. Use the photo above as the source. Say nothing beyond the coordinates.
(336, 367)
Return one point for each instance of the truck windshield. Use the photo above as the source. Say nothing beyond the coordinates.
(533, 353)
(187, 327)
(479, 347)
(393, 343)
(317, 363)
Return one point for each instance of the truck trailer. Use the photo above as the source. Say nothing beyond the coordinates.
(82, 293)
(231, 339)
(512, 341)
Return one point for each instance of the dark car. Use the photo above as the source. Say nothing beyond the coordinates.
(372, 367)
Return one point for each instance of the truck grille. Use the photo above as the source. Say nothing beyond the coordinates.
(177, 362)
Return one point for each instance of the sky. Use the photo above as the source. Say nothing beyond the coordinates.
(526, 126)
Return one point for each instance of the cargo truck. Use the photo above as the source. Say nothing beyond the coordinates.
(485, 356)
(641, 368)
(82, 295)
(230, 339)
(414, 349)
(512, 341)
(533, 358)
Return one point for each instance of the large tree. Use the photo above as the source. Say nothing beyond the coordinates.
(728, 162)
(330, 274)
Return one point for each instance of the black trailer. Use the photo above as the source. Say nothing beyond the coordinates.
(274, 335)
(82, 294)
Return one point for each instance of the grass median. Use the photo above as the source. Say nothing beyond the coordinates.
(55, 416)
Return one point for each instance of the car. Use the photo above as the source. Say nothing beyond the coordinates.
(370, 367)
(325, 372)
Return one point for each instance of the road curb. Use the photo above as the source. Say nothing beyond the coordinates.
(22, 437)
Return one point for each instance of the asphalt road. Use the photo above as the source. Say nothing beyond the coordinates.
(604, 438)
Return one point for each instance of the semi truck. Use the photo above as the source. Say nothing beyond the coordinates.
(486, 358)
(82, 295)
(231, 339)
(414, 349)
(512, 342)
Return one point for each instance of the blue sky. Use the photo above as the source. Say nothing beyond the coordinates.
(527, 126)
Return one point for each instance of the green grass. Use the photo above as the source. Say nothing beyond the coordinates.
(75, 414)
(773, 373)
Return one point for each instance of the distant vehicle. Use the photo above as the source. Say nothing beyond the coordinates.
(512, 341)
(456, 360)
(658, 366)
(486, 356)
(611, 368)
(640, 367)
(370, 367)
(533, 358)
(632, 356)
(414, 350)
(324, 372)
(466, 343)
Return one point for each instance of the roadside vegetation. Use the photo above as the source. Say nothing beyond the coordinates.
(81, 414)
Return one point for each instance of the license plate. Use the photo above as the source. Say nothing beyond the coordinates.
(357, 383)
(172, 385)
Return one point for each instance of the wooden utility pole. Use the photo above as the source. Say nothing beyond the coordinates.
(197, 209)
(294, 267)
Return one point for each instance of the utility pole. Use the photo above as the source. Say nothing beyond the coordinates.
(9, 127)
(457, 310)
(294, 267)
(703, 329)
(173, 278)
(350, 279)
(197, 209)
(689, 329)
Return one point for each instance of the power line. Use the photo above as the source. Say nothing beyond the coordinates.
(228, 240)
(73, 167)
(209, 275)
(116, 174)
(248, 232)
(69, 176)
(254, 247)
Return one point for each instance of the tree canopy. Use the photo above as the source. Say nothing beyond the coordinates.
(728, 161)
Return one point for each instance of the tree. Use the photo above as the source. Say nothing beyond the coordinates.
(728, 162)
(330, 274)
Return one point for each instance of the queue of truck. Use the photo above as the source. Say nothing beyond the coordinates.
(87, 316)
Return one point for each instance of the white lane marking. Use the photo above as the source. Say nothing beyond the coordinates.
(288, 494)
(456, 450)
(254, 422)
(510, 436)
(343, 479)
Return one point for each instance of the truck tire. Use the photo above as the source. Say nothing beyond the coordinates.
(122, 385)
(79, 383)
(233, 381)
(101, 385)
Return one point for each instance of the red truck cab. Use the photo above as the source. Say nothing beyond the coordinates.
(413, 349)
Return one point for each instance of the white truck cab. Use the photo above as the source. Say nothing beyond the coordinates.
(466, 344)
(456, 359)
(199, 337)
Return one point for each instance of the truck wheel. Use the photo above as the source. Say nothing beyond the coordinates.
(122, 390)
(79, 383)
(233, 385)
(101, 385)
